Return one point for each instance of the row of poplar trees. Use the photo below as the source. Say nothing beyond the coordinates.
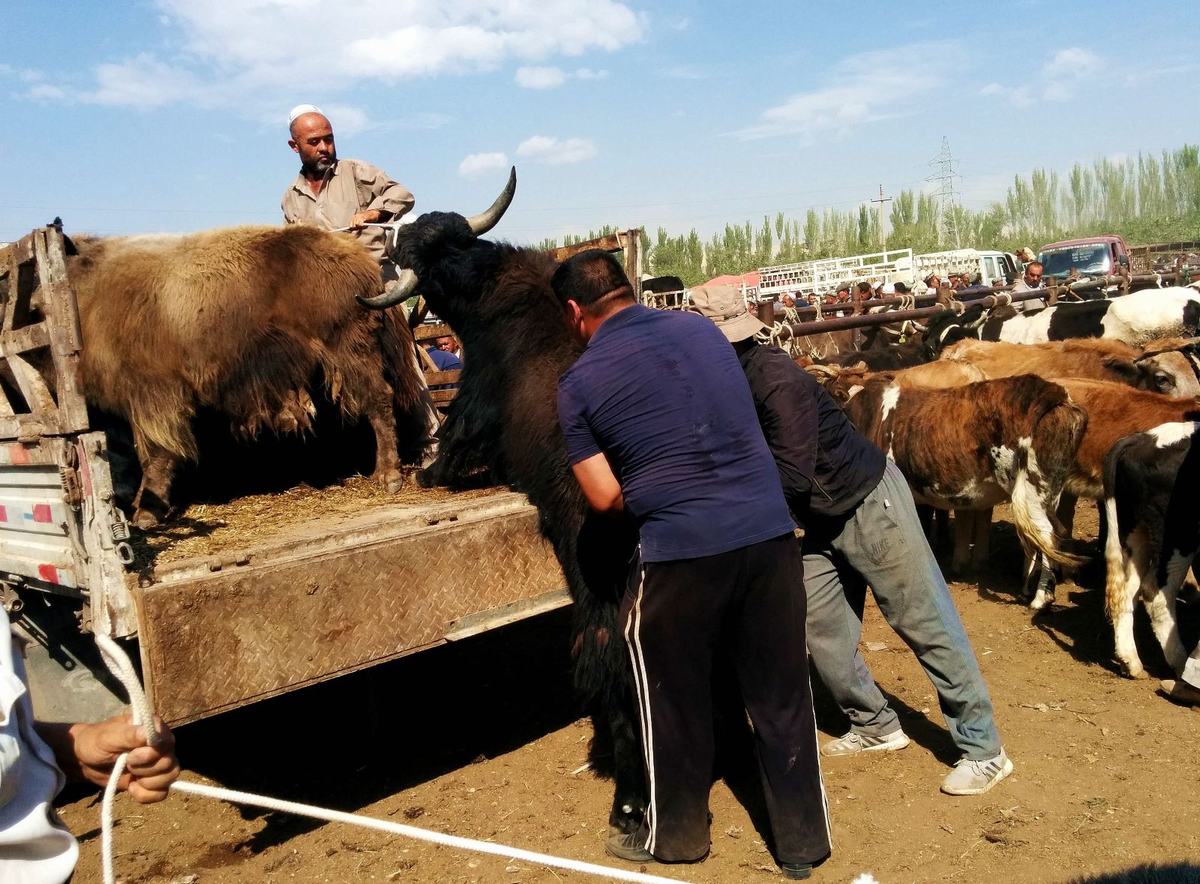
(1146, 199)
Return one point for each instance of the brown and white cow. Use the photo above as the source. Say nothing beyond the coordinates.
(1166, 367)
(843, 382)
(972, 447)
(971, 528)
(1114, 411)
(1174, 365)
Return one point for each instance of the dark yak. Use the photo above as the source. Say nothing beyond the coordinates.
(238, 320)
(504, 422)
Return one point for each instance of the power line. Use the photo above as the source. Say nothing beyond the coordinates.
(943, 175)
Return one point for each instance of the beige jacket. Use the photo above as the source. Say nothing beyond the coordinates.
(1032, 303)
(350, 186)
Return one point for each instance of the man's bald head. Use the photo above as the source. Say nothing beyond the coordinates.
(312, 140)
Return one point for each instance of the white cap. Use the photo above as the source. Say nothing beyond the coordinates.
(889, 289)
(302, 109)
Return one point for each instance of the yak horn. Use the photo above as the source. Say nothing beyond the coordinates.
(404, 287)
(829, 371)
(486, 220)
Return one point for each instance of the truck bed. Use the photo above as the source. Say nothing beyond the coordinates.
(234, 602)
(285, 593)
(204, 530)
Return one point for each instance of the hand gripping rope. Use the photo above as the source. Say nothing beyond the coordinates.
(143, 715)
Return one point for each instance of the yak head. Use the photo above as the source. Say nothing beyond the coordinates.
(441, 256)
(496, 297)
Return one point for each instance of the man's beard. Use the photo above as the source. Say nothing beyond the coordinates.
(318, 166)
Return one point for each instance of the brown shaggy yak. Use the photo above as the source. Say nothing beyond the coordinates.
(238, 320)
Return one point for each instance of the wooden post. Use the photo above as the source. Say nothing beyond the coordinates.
(631, 244)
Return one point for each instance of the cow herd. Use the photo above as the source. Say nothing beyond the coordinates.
(1042, 413)
(1095, 400)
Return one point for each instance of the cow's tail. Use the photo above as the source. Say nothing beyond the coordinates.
(1114, 558)
(1043, 463)
(416, 417)
(1114, 563)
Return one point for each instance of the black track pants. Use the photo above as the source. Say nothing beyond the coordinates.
(674, 616)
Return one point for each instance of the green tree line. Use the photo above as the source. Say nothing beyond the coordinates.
(1146, 199)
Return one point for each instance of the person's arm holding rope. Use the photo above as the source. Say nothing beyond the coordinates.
(87, 752)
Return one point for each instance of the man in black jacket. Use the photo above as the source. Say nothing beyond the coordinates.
(861, 528)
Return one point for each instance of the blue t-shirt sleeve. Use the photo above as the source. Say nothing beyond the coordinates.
(572, 417)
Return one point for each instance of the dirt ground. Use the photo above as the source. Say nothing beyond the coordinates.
(482, 739)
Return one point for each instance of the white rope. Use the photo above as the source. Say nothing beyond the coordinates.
(118, 664)
(366, 822)
(142, 714)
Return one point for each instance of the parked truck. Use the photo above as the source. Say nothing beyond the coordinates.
(1104, 255)
(278, 601)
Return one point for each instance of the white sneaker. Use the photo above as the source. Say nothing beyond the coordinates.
(976, 777)
(852, 743)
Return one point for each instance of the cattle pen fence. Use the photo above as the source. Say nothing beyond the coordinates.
(880, 311)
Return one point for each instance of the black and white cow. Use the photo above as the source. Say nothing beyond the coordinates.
(1136, 319)
(1150, 482)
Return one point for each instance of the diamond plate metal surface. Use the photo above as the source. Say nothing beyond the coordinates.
(215, 642)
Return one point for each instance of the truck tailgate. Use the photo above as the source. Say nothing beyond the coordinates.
(222, 633)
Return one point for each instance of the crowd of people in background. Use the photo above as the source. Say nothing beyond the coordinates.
(961, 284)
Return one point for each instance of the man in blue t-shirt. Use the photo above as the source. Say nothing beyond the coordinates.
(659, 424)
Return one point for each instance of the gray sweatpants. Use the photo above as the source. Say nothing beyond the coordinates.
(881, 543)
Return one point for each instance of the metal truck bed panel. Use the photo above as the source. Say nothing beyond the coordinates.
(272, 620)
(34, 538)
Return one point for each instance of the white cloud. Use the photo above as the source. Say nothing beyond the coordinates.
(556, 151)
(1058, 80)
(1061, 90)
(144, 82)
(346, 119)
(259, 55)
(863, 88)
(1072, 62)
(45, 92)
(534, 77)
(478, 163)
(538, 77)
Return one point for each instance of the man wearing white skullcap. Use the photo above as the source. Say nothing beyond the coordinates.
(333, 193)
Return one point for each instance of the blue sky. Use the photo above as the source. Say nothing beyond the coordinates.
(170, 115)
